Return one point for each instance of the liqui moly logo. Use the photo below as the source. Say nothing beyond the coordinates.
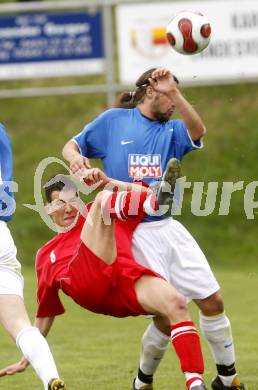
(144, 166)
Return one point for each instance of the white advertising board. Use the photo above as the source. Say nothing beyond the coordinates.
(231, 56)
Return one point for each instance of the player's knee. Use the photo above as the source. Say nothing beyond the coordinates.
(176, 306)
(99, 199)
(212, 305)
(163, 324)
(180, 302)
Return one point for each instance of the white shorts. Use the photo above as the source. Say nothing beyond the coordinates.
(11, 280)
(168, 248)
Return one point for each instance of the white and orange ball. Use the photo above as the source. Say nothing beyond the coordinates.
(189, 32)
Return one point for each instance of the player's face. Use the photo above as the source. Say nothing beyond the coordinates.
(65, 208)
(162, 107)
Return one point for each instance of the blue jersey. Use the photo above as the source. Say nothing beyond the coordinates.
(7, 204)
(132, 146)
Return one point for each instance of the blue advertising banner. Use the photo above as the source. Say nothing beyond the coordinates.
(56, 44)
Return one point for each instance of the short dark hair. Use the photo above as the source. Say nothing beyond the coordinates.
(58, 183)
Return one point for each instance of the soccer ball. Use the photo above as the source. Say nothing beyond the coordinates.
(189, 32)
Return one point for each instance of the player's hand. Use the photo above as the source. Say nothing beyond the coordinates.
(162, 80)
(79, 162)
(15, 368)
(94, 175)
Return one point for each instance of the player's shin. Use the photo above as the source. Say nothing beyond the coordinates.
(126, 205)
(36, 350)
(186, 342)
(217, 330)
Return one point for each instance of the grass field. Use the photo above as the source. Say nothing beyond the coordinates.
(99, 352)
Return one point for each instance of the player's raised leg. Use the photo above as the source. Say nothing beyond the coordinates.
(167, 187)
(98, 230)
(157, 297)
(98, 236)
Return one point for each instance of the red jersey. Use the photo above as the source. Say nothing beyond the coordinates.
(66, 263)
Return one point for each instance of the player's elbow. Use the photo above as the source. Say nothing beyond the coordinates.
(203, 131)
(64, 150)
(69, 148)
(198, 132)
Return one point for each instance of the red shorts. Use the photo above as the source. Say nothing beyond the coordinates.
(103, 288)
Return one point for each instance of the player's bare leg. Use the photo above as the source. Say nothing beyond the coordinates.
(157, 297)
(13, 315)
(98, 231)
(33, 345)
(98, 236)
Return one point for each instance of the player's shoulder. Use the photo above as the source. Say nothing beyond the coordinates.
(3, 133)
(175, 123)
(116, 112)
(2, 128)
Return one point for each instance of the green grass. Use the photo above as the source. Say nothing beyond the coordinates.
(99, 352)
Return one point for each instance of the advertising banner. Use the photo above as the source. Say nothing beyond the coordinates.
(231, 56)
(50, 44)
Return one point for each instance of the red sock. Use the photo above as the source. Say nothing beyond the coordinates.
(186, 342)
(127, 205)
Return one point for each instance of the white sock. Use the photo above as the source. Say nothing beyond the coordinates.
(36, 350)
(154, 346)
(227, 380)
(138, 384)
(218, 332)
(195, 379)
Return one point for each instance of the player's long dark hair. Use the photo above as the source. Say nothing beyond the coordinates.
(131, 99)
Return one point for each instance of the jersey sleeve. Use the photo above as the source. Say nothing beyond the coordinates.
(182, 141)
(93, 139)
(7, 203)
(49, 304)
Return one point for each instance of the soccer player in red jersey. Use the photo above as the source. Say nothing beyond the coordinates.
(90, 259)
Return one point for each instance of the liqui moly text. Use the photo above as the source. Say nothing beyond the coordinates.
(144, 166)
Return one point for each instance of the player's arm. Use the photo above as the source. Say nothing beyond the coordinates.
(44, 325)
(91, 142)
(72, 154)
(95, 175)
(163, 81)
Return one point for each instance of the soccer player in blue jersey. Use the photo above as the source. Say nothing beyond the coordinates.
(13, 315)
(136, 141)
